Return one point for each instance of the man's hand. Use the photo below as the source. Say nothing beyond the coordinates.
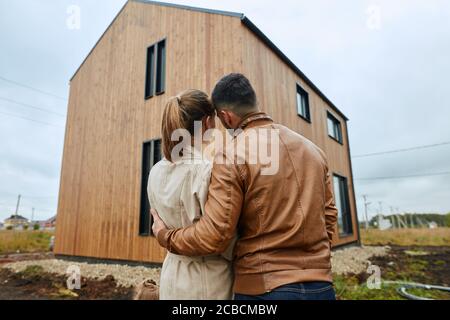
(158, 224)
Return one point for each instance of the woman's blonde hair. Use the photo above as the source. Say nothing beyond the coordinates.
(181, 112)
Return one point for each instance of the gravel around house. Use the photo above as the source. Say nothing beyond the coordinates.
(351, 260)
(126, 276)
(355, 259)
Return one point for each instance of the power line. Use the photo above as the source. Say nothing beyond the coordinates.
(407, 176)
(32, 88)
(27, 195)
(402, 150)
(41, 197)
(10, 210)
(13, 206)
(32, 107)
(28, 119)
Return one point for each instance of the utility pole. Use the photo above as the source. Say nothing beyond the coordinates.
(394, 223)
(18, 204)
(366, 205)
(380, 204)
(398, 218)
(404, 224)
(419, 221)
(32, 215)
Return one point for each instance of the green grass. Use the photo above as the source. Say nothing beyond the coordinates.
(416, 265)
(430, 294)
(348, 288)
(24, 241)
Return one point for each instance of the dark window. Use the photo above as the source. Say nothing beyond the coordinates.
(155, 77)
(161, 68)
(149, 87)
(303, 104)
(334, 128)
(343, 205)
(151, 155)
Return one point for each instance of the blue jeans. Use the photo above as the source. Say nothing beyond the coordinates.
(297, 291)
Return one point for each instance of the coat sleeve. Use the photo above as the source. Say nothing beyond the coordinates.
(216, 229)
(330, 206)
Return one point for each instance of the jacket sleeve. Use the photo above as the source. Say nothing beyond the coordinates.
(216, 229)
(330, 207)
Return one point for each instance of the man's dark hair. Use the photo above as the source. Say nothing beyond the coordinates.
(234, 92)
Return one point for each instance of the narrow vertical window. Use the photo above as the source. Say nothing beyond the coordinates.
(303, 104)
(149, 75)
(150, 156)
(161, 68)
(334, 128)
(341, 199)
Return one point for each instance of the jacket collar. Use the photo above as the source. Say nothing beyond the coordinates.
(191, 153)
(248, 120)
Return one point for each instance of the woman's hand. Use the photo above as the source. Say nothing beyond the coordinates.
(158, 224)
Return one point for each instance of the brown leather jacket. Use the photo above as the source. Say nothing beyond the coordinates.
(285, 221)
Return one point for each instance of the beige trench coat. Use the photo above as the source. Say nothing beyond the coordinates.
(178, 191)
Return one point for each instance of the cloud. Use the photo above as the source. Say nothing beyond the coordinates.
(39, 50)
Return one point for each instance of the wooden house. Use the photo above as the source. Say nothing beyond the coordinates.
(150, 52)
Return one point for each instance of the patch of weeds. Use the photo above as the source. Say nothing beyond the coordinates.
(440, 263)
(416, 253)
(32, 271)
(64, 294)
(430, 294)
(348, 288)
(417, 268)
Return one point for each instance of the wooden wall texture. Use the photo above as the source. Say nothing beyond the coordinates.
(109, 119)
(275, 84)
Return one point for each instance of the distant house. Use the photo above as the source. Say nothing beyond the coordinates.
(1, 226)
(384, 224)
(432, 225)
(46, 224)
(50, 223)
(15, 221)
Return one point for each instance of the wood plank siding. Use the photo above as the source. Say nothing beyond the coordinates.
(275, 85)
(109, 120)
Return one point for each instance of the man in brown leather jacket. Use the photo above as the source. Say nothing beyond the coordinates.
(285, 220)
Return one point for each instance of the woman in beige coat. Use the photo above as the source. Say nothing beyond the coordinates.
(178, 189)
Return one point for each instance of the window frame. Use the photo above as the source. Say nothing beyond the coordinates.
(335, 120)
(156, 69)
(145, 218)
(347, 219)
(303, 94)
(160, 68)
(150, 72)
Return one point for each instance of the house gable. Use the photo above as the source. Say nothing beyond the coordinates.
(247, 23)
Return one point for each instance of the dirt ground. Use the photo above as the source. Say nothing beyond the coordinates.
(34, 284)
(429, 265)
(35, 277)
(418, 264)
(11, 258)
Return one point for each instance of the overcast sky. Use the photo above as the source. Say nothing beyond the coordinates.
(385, 64)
